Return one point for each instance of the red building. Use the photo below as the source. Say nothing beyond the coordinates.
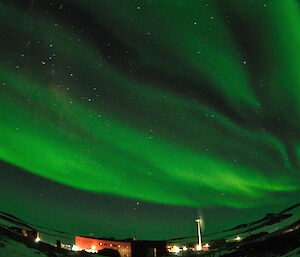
(94, 244)
(126, 248)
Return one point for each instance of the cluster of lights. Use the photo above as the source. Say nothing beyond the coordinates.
(75, 248)
(177, 249)
(206, 247)
(90, 251)
(93, 250)
(174, 249)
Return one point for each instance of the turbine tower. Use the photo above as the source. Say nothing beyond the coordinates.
(199, 248)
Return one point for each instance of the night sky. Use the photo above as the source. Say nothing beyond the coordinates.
(135, 117)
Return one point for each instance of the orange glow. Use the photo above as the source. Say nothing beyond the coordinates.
(95, 245)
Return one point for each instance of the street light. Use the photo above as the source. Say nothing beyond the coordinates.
(199, 247)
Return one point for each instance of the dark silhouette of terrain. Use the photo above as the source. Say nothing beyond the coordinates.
(276, 234)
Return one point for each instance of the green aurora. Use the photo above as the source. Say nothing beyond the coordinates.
(192, 103)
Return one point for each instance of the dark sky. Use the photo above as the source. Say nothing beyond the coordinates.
(135, 117)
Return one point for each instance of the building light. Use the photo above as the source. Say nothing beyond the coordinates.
(75, 248)
(93, 247)
(184, 248)
(174, 249)
(90, 250)
(37, 240)
(199, 248)
(238, 238)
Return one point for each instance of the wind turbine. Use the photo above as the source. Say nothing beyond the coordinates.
(199, 247)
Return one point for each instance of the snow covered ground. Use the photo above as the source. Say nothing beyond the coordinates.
(10, 247)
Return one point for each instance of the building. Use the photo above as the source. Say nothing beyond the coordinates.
(126, 248)
(148, 248)
(94, 245)
(27, 233)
